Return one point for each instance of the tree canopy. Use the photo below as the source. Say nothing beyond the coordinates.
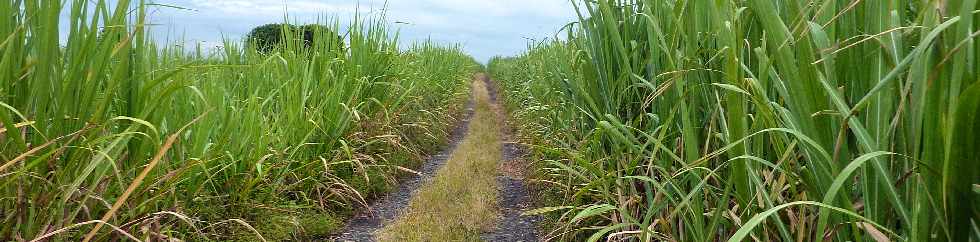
(270, 36)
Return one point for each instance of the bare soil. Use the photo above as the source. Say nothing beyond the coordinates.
(514, 196)
(363, 225)
(513, 193)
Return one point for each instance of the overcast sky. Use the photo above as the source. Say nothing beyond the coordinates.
(484, 27)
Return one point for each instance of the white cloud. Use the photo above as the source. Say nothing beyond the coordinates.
(486, 27)
(266, 7)
(507, 8)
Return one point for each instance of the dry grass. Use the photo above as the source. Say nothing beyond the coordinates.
(459, 202)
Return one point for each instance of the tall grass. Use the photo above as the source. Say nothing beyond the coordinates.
(107, 135)
(757, 120)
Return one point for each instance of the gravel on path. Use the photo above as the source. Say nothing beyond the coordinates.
(362, 226)
(514, 196)
(513, 201)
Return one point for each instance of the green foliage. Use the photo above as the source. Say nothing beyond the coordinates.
(292, 226)
(254, 130)
(833, 119)
(313, 32)
(266, 38)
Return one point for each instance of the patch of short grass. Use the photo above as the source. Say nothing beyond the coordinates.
(459, 202)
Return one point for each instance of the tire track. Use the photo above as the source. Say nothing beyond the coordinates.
(362, 226)
(514, 196)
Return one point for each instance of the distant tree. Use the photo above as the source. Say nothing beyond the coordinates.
(267, 37)
(312, 31)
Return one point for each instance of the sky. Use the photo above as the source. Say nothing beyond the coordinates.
(485, 28)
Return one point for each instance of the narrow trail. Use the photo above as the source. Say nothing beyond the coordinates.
(512, 195)
(363, 225)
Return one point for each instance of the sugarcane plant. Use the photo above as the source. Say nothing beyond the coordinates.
(756, 120)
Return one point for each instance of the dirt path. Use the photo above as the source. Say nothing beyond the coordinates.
(514, 197)
(363, 225)
(511, 193)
